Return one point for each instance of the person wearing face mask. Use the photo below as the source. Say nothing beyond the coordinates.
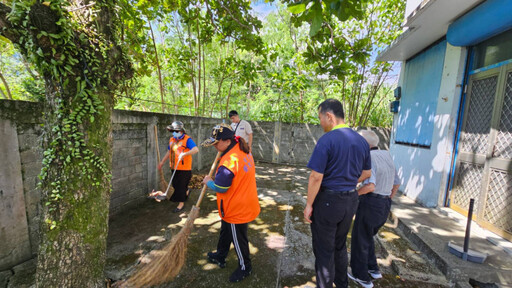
(179, 152)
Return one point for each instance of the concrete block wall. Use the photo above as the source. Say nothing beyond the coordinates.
(14, 232)
(262, 140)
(31, 162)
(293, 143)
(134, 162)
(129, 165)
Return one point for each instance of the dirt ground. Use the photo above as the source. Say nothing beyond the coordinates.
(280, 241)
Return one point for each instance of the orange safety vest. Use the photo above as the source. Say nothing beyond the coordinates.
(239, 204)
(177, 147)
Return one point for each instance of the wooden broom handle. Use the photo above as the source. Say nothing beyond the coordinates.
(157, 149)
(214, 164)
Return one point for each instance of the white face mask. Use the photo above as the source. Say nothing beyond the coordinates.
(176, 134)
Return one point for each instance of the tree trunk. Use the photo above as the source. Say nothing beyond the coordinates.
(227, 100)
(75, 178)
(160, 81)
(199, 56)
(74, 253)
(6, 85)
(204, 82)
(192, 67)
(219, 91)
(249, 100)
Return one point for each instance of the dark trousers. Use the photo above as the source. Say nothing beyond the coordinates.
(332, 216)
(372, 213)
(236, 234)
(180, 184)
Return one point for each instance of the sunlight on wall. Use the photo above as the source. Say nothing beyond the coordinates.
(424, 170)
(439, 160)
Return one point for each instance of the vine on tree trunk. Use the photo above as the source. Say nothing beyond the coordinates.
(70, 49)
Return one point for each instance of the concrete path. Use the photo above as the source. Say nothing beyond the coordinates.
(432, 229)
(411, 249)
(280, 241)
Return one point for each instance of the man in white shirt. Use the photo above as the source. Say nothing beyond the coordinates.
(242, 128)
(375, 197)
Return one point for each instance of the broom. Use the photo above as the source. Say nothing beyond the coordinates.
(159, 195)
(163, 183)
(168, 262)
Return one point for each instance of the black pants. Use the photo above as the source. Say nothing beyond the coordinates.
(180, 184)
(332, 216)
(372, 213)
(236, 234)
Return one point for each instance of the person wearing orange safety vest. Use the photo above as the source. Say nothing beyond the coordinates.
(179, 152)
(237, 198)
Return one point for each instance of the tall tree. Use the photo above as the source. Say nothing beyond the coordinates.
(343, 37)
(19, 81)
(71, 42)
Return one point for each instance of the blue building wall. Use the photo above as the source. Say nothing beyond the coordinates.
(428, 112)
(422, 81)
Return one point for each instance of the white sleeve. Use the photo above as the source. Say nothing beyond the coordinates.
(248, 128)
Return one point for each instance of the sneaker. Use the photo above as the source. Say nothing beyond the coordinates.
(240, 274)
(215, 259)
(375, 274)
(365, 284)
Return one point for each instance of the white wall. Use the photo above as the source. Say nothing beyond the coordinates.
(411, 6)
(424, 171)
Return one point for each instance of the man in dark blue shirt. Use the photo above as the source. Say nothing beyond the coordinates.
(340, 160)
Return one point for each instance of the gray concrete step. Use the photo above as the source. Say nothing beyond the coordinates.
(431, 229)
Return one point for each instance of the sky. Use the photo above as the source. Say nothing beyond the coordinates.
(262, 9)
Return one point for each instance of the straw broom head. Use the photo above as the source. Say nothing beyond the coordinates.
(167, 263)
(163, 183)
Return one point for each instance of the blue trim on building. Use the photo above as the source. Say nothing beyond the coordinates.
(490, 18)
(499, 64)
(458, 128)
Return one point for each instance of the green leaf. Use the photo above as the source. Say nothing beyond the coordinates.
(297, 8)
(318, 20)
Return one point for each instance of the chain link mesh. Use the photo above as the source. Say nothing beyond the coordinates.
(498, 206)
(478, 120)
(468, 185)
(503, 148)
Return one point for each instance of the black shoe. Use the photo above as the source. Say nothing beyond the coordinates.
(178, 210)
(215, 259)
(240, 274)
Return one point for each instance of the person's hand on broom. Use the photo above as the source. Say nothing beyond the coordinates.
(206, 179)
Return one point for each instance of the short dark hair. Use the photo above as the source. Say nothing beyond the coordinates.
(332, 105)
(232, 113)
